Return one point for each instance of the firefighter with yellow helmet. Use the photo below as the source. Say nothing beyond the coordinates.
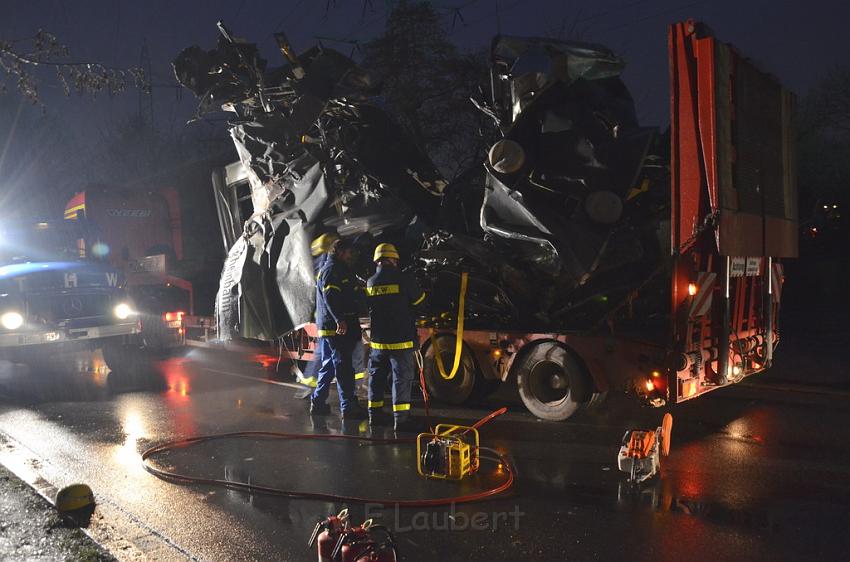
(319, 250)
(338, 326)
(392, 297)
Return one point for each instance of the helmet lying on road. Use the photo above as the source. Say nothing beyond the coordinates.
(74, 497)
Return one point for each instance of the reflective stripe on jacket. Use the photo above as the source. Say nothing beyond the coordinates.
(391, 296)
(335, 299)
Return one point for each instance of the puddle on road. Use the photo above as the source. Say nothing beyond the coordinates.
(661, 496)
(74, 377)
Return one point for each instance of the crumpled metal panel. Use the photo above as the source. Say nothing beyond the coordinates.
(318, 157)
(572, 199)
(557, 187)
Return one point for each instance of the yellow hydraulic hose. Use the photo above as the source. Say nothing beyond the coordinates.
(459, 335)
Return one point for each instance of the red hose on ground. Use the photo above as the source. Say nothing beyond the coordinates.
(254, 488)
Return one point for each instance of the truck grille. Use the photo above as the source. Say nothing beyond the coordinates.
(68, 306)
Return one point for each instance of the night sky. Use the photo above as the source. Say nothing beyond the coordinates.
(797, 41)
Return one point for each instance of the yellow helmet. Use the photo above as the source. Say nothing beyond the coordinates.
(322, 244)
(385, 251)
(74, 497)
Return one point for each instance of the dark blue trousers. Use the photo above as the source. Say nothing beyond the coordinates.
(358, 361)
(336, 352)
(402, 364)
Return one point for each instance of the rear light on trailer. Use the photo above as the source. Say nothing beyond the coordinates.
(174, 319)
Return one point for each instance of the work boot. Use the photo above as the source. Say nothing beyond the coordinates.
(354, 411)
(319, 409)
(406, 424)
(377, 417)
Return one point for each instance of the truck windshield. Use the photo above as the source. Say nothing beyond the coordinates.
(41, 241)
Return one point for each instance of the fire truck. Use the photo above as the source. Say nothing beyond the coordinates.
(706, 318)
(141, 236)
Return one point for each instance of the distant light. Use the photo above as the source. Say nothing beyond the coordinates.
(497, 353)
(649, 386)
(42, 225)
(100, 250)
(12, 320)
(835, 206)
(656, 374)
(692, 289)
(826, 206)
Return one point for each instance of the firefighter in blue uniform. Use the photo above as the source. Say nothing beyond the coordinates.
(392, 296)
(319, 250)
(339, 331)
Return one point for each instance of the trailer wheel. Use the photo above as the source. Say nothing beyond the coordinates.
(552, 383)
(461, 387)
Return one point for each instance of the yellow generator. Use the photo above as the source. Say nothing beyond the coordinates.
(450, 453)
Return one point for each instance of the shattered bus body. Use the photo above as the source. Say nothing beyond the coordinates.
(607, 255)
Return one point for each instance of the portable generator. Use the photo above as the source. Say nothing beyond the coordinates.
(449, 453)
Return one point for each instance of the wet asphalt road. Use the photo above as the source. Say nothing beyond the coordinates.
(756, 473)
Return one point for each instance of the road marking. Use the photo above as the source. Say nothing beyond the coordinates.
(255, 379)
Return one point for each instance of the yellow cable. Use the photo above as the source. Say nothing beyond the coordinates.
(459, 336)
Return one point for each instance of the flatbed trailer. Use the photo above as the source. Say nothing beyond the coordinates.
(733, 218)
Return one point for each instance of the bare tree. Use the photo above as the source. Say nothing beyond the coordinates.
(427, 83)
(26, 61)
(824, 136)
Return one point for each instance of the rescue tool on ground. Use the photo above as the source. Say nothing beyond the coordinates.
(641, 451)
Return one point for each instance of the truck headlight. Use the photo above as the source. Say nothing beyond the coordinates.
(12, 320)
(123, 311)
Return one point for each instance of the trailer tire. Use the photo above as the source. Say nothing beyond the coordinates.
(459, 388)
(552, 382)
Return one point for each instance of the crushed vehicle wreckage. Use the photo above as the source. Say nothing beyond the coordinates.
(573, 202)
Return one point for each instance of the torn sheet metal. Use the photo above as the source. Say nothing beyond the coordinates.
(318, 156)
(573, 201)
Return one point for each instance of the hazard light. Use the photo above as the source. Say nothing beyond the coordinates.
(174, 319)
(174, 316)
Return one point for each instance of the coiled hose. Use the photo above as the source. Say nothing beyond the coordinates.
(173, 476)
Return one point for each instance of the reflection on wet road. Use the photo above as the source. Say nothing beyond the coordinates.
(754, 473)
